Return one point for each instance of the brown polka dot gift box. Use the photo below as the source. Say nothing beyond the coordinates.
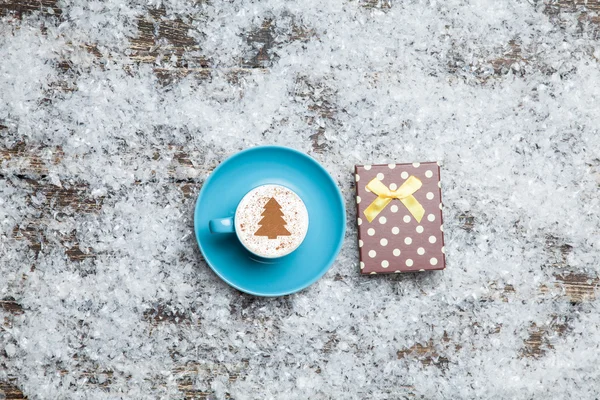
(399, 216)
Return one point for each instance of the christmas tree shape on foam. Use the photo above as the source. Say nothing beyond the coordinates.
(272, 224)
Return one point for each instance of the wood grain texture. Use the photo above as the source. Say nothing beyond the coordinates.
(33, 163)
(586, 13)
(577, 287)
(165, 40)
(541, 338)
(10, 392)
(424, 353)
(168, 45)
(10, 305)
(515, 57)
(28, 161)
(7, 388)
(18, 8)
(33, 233)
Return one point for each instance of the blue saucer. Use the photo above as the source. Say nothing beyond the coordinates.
(257, 166)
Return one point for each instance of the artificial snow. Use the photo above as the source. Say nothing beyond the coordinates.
(393, 82)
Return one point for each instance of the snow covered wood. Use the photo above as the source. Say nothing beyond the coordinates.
(113, 114)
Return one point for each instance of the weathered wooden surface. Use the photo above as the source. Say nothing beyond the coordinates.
(164, 43)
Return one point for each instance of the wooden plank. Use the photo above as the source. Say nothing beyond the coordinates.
(572, 6)
(9, 304)
(516, 59)
(33, 233)
(510, 58)
(164, 40)
(18, 8)
(510, 61)
(425, 353)
(587, 13)
(539, 341)
(36, 162)
(185, 375)
(262, 40)
(76, 197)
(430, 354)
(378, 4)
(10, 392)
(577, 287)
(39, 237)
(466, 221)
(161, 313)
(51, 201)
(29, 160)
(558, 251)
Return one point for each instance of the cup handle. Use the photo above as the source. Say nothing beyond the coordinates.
(221, 225)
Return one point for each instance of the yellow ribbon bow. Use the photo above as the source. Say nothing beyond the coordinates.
(404, 193)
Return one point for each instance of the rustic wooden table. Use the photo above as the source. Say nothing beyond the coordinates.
(161, 37)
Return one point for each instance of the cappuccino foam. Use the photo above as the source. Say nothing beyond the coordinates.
(271, 221)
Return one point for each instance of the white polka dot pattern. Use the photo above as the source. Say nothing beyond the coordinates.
(391, 166)
(382, 220)
(406, 219)
(371, 232)
(357, 177)
(396, 252)
(407, 240)
(394, 208)
(404, 175)
(393, 186)
(395, 230)
(383, 242)
(420, 251)
(409, 262)
(428, 174)
(359, 221)
(429, 196)
(385, 263)
(419, 229)
(372, 253)
(367, 167)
